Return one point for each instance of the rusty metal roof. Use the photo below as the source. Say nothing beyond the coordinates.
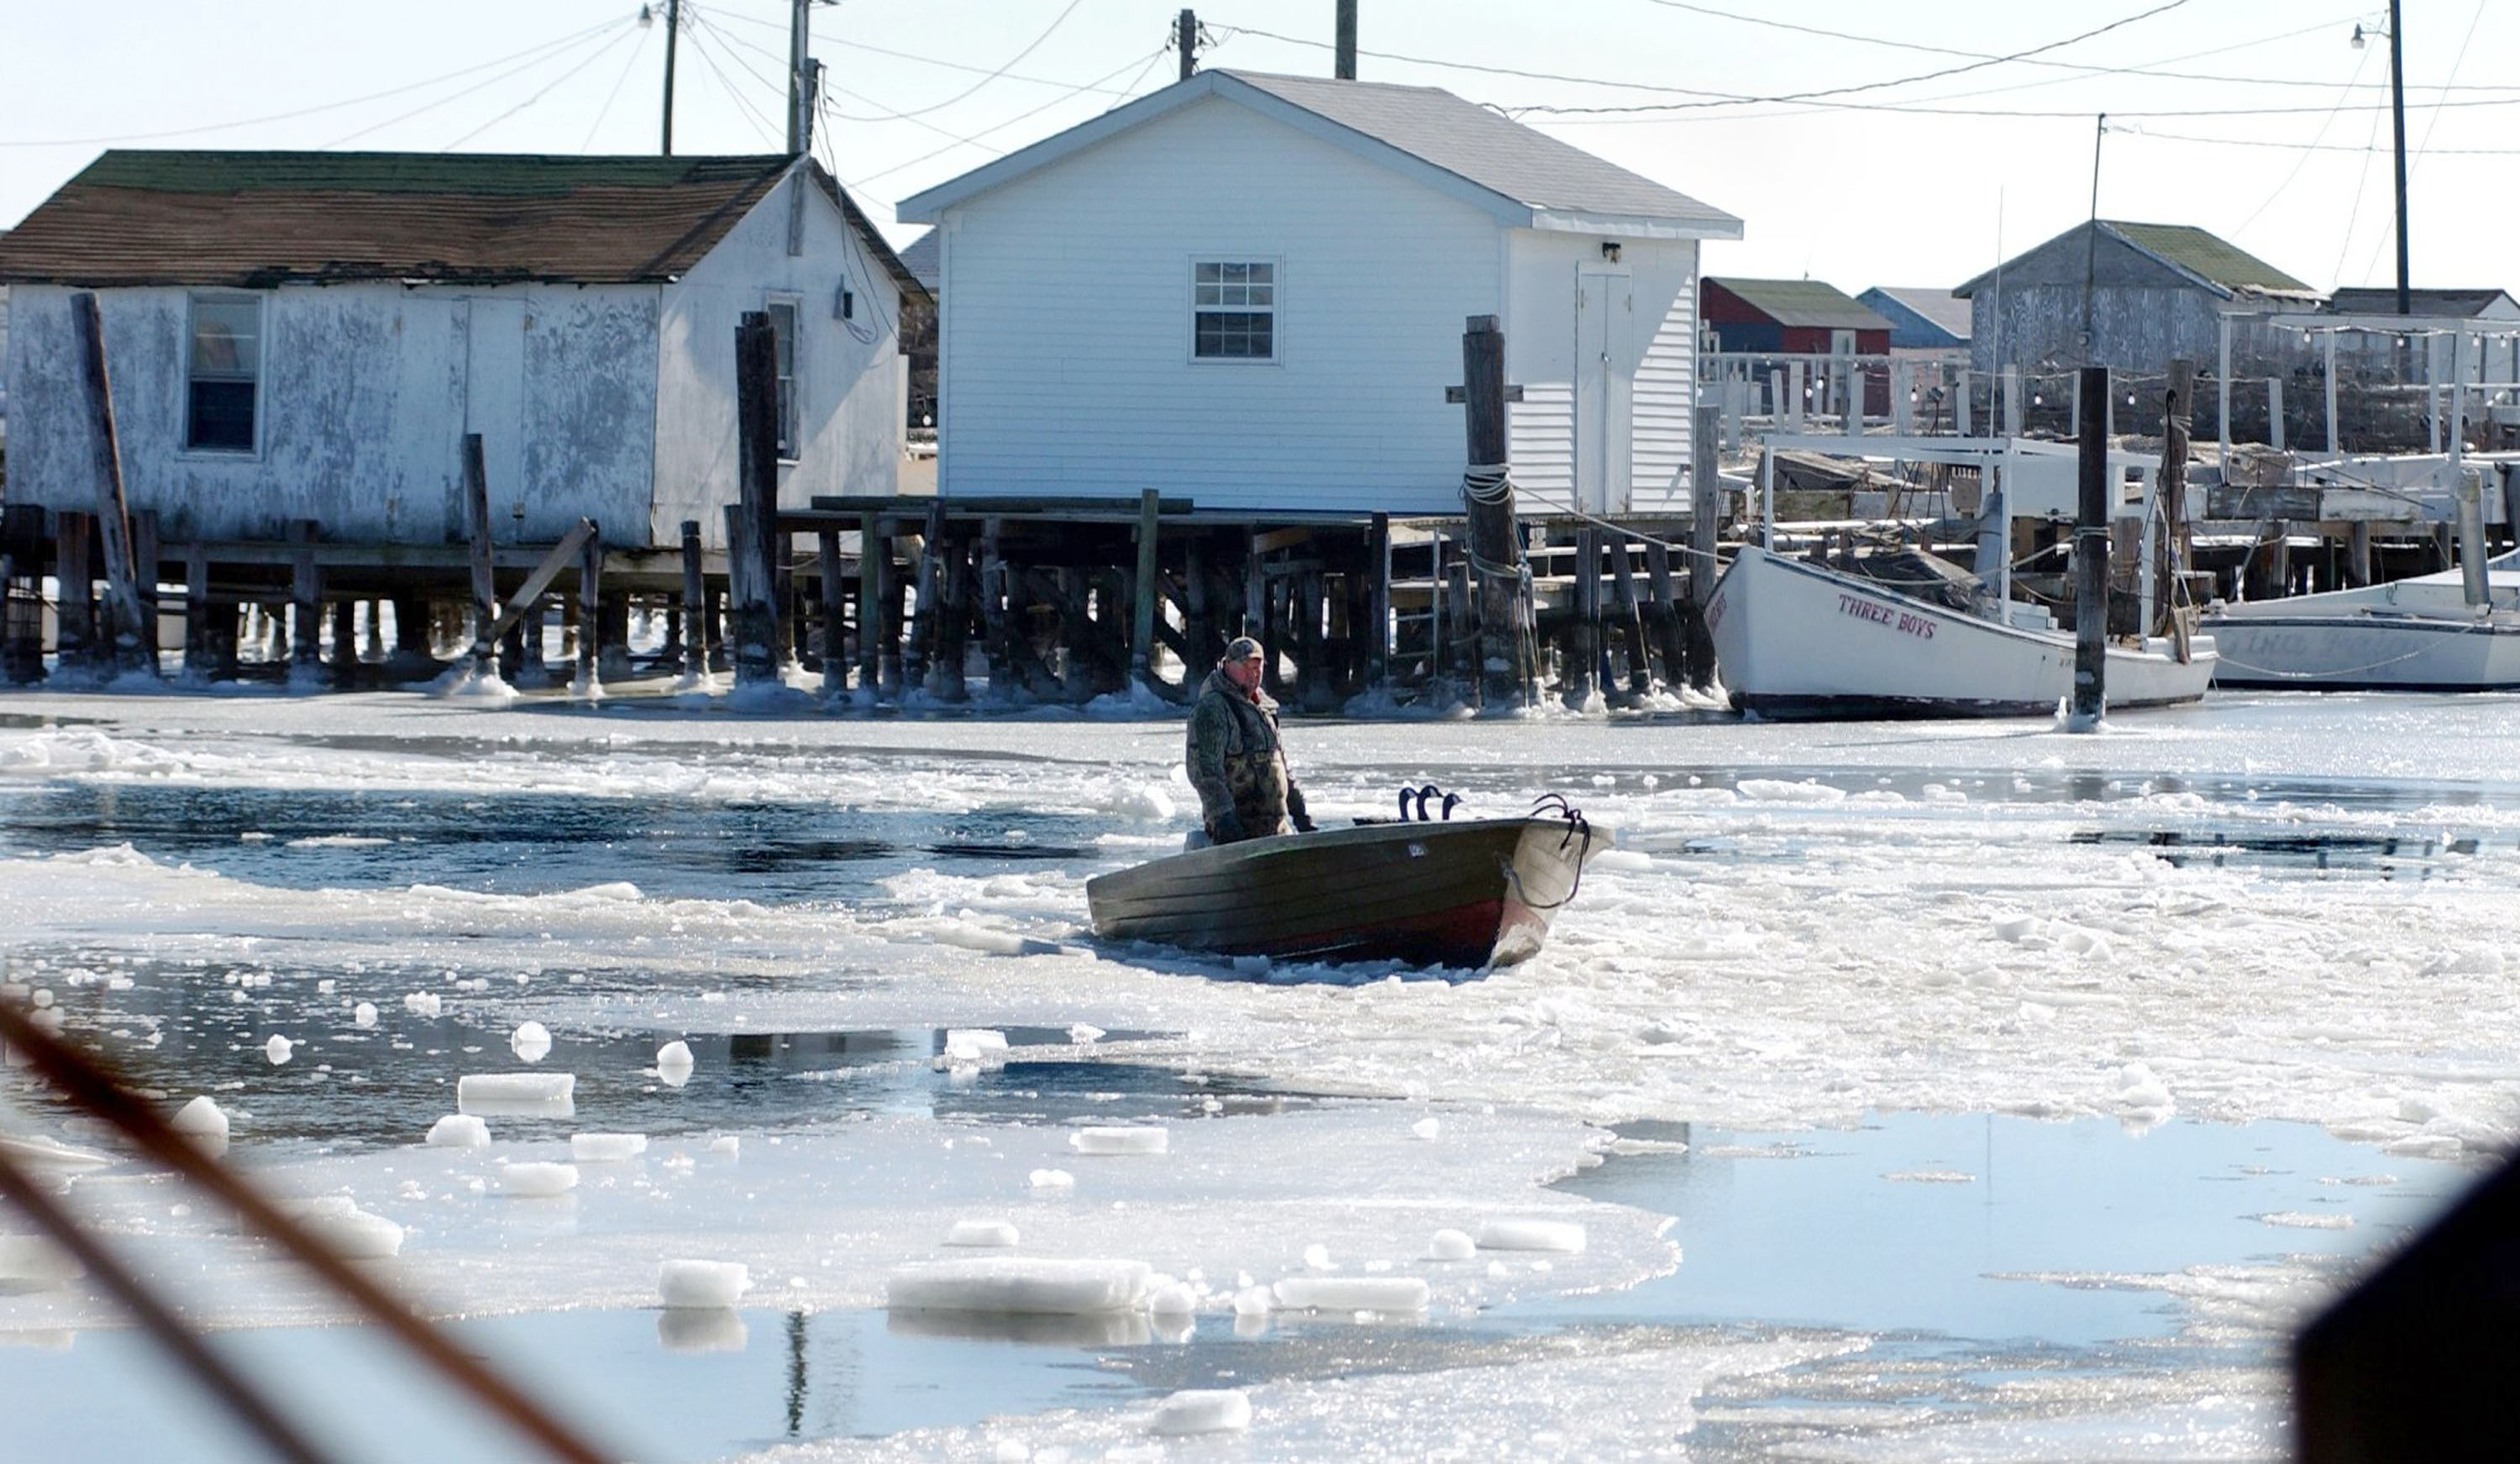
(259, 219)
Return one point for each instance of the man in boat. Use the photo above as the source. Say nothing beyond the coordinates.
(1237, 761)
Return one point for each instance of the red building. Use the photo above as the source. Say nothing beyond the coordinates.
(1789, 318)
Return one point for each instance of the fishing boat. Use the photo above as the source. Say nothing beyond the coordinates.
(1905, 632)
(2431, 633)
(1471, 893)
(1802, 641)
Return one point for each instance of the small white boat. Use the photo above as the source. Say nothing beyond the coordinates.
(2411, 635)
(1799, 641)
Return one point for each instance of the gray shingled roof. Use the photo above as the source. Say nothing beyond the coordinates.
(925, 258)
(1486, 148)
(2382, 299)
(1941, 307)
(1807, 303)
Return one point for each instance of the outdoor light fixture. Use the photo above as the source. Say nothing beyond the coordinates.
(1611, 250)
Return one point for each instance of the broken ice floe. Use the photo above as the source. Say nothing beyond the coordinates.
(517, 1094)
(458, 1131)
(1007, 1283)
(1120, 1140)
(1565, 1236)
(1402, 1294)
(606, 1148)
(701, 1284)
(537, 1180)
(1202, 1410)
(981, 1233)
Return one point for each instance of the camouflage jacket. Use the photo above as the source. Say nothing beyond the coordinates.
(1235, 758)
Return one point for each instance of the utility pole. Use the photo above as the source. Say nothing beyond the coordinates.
(800, 82)
(1186, 41)
(1345, 69)
(2091, 240)
(673, 33)
(2398, 114)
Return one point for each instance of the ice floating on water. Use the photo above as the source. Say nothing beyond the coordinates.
(1565, 1236)
(974, 1044)
(1254, 1301)
(693, 1284)
(422, 1004)
(532, 1043)
(37, 1261)
(536, 1182)
(517, 1094)
(364, 1015)
(278, 1049)
(1451, 1245)
(606, 1148)
(37, 1152)
(346, 1230)
(725, 1143)
(458, 1131)
(1052, 1180)
(1084, 1034)
(1318, 1258)
(674, 1064)
(1351, 1294)
(1202, 1410)
(1120, 1140)
(1173, 1298)
(1426, 1127)
(204, 1122)
(1010, 1283)
(981, 1233)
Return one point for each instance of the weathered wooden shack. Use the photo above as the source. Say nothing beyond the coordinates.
(308, 336)
(2156, 293)
(1248, 290)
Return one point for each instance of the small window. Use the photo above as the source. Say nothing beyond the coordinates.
(782, 330)
(224, 368)
(1235, 312)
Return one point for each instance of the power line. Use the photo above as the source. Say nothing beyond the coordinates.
(306, 112)
(1037, 41)
(554, 85)
(778, 135)
(931, 61)
(516, 71)
(614, 95)
(2303, 161)
(1143, 64)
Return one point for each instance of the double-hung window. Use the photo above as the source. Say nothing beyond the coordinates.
(1233, 311)
(782, 330)
(223, 373)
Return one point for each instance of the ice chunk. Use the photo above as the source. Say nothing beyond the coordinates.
(703, 1283)
(422, 1004)
(971, 1045)
(530, 1042)
(517, 1094)
(1254, 1301)
(1318, 1258)
(1084, 1034)
(535, 1181)
(49, 1155)
(278, 1049)
(36, 1260)
(458, 1131)
(1173, 1298)
(1450, 1245)
(725, 1143)
(606, 1148)
(205, 1122)
(364, 1015)
(1052, 1180)
(1530, 1235)
(1426, 1127)
(1202, 1410)
(1022, 1284)
(1140, 1140)
(339, 1224)
(981, 1233)
(674, 1064)
(1351, 1294)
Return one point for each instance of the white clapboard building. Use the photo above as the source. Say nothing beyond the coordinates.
(1249, 291)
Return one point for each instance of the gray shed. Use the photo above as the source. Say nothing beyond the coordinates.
(2155, 291)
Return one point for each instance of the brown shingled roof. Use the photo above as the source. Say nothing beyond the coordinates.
(259, 219)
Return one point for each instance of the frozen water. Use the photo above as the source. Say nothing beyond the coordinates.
(36, 1260)
(1120, 1140)
(537, 1180)
(1451, 1245)
(517, 1094)
(339, 1224)
(1058, 1286)
(458, 1131)
(531, 1041)
(279, 1049)
(606, 1148)
(703, 1283)
(674, 1063)
(1530, 1235)
(1202, 1410)
(1352, 1293)
(203, 1121)
(981, 1233)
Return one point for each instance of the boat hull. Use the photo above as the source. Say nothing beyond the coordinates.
(2414, 634)
(1795, 640)
(1471, 894)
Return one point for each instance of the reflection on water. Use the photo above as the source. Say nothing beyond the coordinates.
(2387, 856)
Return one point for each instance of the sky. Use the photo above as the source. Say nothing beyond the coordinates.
(1862, 144)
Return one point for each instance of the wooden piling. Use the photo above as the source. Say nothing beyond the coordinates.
(696, 606)
(531, 667)
(946, 681)
(1378, 628)
(887, 622)
(23, 534)
(2357, 554)
(998, 616)
(751, 552)
(2092, 558)
(74, 604)
(1313, 687)
(1147, 593)
(1495, 540)
(1198, 614)
(832, 651)
(200, 657)
(485, 584)
(119, 635)
(305, 603)
(1662, 615)
(2178, 549)
(587, 682)
(870, 608)
(1582, 646)
(1630, 617)
(1705, 522)
(143, 565)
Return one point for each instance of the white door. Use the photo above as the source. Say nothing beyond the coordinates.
(494, 392)
(1604, 376)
